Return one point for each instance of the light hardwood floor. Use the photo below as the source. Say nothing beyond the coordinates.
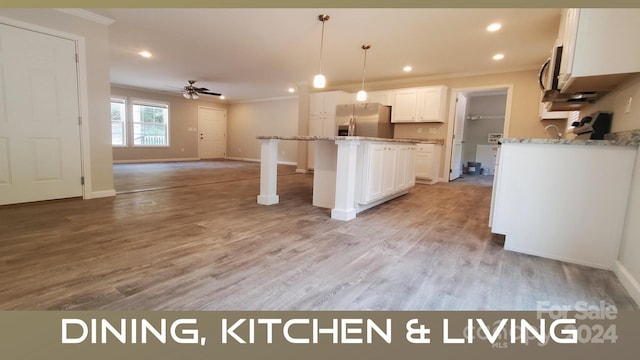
(210, 246)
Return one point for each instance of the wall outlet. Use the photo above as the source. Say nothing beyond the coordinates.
(419, 130)
(282, 152)
(628, 108)
(432, 130)
(239, 150)
(181, 149)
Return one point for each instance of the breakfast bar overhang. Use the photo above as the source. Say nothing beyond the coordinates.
(351, 173)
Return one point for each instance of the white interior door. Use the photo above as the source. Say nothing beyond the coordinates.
(212, 133)
(458, 134)
(39, 128)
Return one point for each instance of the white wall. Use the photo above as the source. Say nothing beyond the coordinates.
(629, 261)
(616, 102)
(246, 120)
(183, 114)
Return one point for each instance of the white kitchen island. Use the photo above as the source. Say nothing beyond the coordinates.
(351, 173)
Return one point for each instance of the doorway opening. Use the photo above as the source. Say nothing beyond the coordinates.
(478, 118)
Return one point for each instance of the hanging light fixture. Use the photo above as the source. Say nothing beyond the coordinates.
(362, 95)
(191, 95)
(319, 80)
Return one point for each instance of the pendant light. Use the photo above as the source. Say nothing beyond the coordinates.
(319, 80)
(362, 95)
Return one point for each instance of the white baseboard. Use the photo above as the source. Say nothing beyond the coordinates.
(100, 194)
(153, 160)
(628, 281)
(242, 159)
(258, 160)
(303, 171)
(426, 181)
(293, 163)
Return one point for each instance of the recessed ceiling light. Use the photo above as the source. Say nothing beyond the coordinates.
(498, 56)
(407, 68)
(494, 27)
(222, 97)
(291, 90)
(145, 54)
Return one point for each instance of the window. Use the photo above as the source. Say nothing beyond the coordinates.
(118, 123)
(150, 124)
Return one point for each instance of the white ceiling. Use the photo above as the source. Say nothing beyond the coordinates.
(259, 53)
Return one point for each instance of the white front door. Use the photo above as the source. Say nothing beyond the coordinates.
(458, 133)
(39, 117)
(212, 133)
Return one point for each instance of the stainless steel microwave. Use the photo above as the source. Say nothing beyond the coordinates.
(552, 93)
(550, 70)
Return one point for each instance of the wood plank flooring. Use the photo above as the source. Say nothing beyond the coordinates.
(156, 176)
(208, 245)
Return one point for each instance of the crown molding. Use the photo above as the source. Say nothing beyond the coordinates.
(88, 15)
(264, 99)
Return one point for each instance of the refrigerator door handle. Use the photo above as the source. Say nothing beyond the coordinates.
(352, 126)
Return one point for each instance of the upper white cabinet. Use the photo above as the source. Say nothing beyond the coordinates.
(599, 48)
(380, 97)
(322, 117)
(545, 114)
(324, 103)
(404, 106)
(424, 104)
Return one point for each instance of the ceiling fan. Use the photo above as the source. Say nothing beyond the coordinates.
(192, 92)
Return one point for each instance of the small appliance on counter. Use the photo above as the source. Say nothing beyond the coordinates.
(593, 126)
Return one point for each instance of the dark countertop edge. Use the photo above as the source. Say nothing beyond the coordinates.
(569, 142)
(335, 138)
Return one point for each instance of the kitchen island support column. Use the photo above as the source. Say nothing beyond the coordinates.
(268, 172)
(344, 207)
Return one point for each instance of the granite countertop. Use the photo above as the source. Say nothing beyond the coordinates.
(428, 141)
(613, 142)
(334, 138)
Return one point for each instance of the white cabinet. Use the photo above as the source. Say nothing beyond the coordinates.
(380, 97)
(401, 164)
(405, 167)
(411, 165)
(322, 117)
(389, 169)
(538, 206)
(555, 115)
(373, 182)
(324, 103)
(386, 169)
(431, 103)
(404, 106)
(425, 104)
(599, 48)
(427, 162)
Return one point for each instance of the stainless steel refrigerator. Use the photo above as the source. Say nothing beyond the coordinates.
(371, 120)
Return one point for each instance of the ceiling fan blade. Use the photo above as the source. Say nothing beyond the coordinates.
(208, 93)
(201, 89)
